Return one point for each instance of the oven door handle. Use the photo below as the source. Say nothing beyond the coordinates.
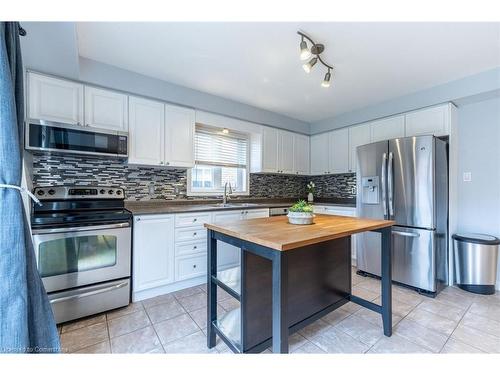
(81, 229)
(88, 294)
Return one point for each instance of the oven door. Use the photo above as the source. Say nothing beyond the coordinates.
(72, 257)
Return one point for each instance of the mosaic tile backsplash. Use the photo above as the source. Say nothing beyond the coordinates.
(49, 170)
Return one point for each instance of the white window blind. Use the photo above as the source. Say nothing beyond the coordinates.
(212, 147)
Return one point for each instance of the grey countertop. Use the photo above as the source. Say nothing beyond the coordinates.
(184, 206)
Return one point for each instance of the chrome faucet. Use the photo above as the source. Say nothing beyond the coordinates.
(226, 194)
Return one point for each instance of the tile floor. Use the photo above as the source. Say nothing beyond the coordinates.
(453, 322)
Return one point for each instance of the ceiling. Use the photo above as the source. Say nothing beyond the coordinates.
(258, 63)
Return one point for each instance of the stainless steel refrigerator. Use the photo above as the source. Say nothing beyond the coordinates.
(406, 180)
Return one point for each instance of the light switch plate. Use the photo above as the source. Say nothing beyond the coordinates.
(467, 176)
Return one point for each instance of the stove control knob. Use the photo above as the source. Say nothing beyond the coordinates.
(118, 192)
(40, 192)
(52, 192)
(111, 191)
(102, 191)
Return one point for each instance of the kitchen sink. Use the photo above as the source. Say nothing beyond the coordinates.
(230, 205)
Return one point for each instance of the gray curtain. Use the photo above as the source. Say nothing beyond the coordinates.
(26, 319)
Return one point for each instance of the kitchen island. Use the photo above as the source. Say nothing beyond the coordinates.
(289, 276)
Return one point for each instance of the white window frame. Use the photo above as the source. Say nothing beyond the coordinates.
(211, 193)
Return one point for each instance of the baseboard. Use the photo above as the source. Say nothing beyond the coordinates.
(165, 289)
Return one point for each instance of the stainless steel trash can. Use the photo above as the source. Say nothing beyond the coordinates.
(476, 259)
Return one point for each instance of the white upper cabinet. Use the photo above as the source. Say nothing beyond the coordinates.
(270, 150)
(106, 109)
(338, 151)
(392, 127)
(358, 135)
(54, 99)
(276, 152)
(153, 251)
(319, 154)
(433, 120)
(286, 152)
(146, 127)
(301, 154)
(179, 136)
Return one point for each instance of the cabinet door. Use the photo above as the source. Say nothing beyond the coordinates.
(147, 119)
(106, 109)
(433, 120)
(358, 136)
(153, 251)
(339, 151)
(179, 136)
(319, 154)
(270, 162)
(55, 99)
(301, 154)
(227, 255)
(255, 214)
(393, 127)
(286, 152)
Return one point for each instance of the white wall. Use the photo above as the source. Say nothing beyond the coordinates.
(478, 208)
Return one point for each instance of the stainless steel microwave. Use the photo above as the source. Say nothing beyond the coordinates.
(45, 136)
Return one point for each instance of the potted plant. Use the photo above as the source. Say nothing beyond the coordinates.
(310, 190)
(300, 213)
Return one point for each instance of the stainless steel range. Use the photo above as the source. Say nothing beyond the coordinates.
(82, 240)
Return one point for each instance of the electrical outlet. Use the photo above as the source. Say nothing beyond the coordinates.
(467, 176)
(353, 190)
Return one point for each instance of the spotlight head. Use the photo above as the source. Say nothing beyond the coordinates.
(308, 66)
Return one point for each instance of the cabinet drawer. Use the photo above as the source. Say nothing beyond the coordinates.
(194, 219)
(188, 248)
(190, 266)
(190, 234)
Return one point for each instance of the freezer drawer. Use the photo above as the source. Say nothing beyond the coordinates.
(414, 257)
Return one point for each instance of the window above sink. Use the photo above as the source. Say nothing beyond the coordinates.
(221, 156)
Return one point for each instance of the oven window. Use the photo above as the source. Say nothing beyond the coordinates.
(76, 254)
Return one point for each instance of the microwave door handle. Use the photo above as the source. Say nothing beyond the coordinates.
(383, 183)
(88, 294)
(390, 183)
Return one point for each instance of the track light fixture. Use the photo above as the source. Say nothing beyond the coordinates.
(305, 52)
(316, 49)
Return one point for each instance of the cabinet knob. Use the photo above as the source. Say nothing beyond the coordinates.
(195, 247)
(79, 124)
(138, 219)
(194, 220)
(194, 265)
(194, 234)
(87, 125)
(161, 162)
(168, 163)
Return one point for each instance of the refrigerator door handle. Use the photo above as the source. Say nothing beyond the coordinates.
(405, 234)
(390, 175)
(383, 183)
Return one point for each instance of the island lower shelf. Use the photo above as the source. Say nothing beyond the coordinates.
(318, 282)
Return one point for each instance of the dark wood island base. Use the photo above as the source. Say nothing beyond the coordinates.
(283, 290)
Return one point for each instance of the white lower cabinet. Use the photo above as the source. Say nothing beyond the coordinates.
(153, 251)
(190, 266)
(170, 251)
(342, 211)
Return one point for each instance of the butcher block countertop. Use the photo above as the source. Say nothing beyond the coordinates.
(276, 233)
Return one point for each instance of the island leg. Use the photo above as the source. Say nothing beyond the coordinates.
(280, 305)
(211, 288)
(386, 276)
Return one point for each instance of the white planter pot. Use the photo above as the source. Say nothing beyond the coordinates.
(300, 218)
(310, 197)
